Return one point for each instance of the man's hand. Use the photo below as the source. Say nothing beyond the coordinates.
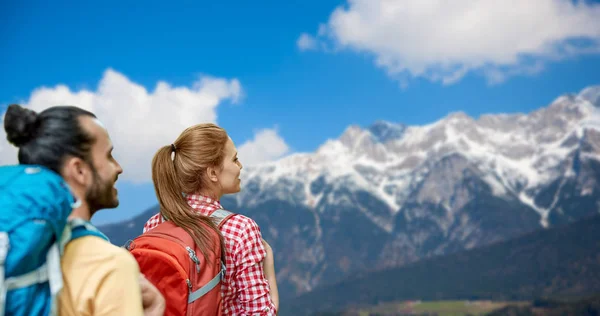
(152, 301)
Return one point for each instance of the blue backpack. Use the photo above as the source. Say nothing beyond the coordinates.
(35, 203)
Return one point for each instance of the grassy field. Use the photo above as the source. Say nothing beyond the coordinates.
(441, 308)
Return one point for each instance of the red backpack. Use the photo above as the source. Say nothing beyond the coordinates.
(167, 256)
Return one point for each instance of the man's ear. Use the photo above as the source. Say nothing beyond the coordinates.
(212, 174)
(76, 170)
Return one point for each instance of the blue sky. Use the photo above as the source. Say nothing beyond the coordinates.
(307, 95)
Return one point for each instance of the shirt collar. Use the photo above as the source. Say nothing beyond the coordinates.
(197, 200)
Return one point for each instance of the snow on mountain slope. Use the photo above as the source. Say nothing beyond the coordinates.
(518, 153)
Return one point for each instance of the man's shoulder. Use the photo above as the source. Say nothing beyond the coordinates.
(96, 273)
(92, 248)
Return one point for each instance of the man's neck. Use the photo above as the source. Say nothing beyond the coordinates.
(82, 212)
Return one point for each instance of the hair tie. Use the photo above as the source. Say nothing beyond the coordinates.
(173, 148)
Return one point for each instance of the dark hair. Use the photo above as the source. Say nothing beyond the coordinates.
(197, 148)
(47, 138)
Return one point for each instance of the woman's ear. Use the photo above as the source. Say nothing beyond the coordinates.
(212, 174)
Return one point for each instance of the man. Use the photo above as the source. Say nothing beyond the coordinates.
(99, 278)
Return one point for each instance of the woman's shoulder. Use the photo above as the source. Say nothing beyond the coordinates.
(240, 227)
(241, 222)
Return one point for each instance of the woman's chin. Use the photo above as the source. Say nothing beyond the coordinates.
(234, 190)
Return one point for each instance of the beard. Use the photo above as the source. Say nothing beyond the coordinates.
(100, 195)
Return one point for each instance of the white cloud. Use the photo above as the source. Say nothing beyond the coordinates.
(139, 121)
(267, 145)
(444, 40)
(306, 42)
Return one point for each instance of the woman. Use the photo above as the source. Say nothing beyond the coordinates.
(203, 165)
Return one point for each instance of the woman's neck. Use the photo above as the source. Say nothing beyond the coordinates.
(210, 194)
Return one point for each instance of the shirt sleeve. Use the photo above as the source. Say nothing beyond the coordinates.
(253, 288)
(119, 291)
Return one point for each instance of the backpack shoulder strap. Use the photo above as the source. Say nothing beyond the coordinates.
(220, 216)
(78, 228)
(207, 287)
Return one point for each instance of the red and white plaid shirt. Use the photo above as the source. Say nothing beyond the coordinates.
(245, 290)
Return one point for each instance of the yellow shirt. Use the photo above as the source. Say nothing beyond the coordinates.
(99, 279)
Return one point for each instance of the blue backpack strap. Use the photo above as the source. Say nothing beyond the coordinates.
(78, 228)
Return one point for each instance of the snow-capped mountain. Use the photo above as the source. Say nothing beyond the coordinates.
(391, 194)
(516, 155)
(425, 190)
